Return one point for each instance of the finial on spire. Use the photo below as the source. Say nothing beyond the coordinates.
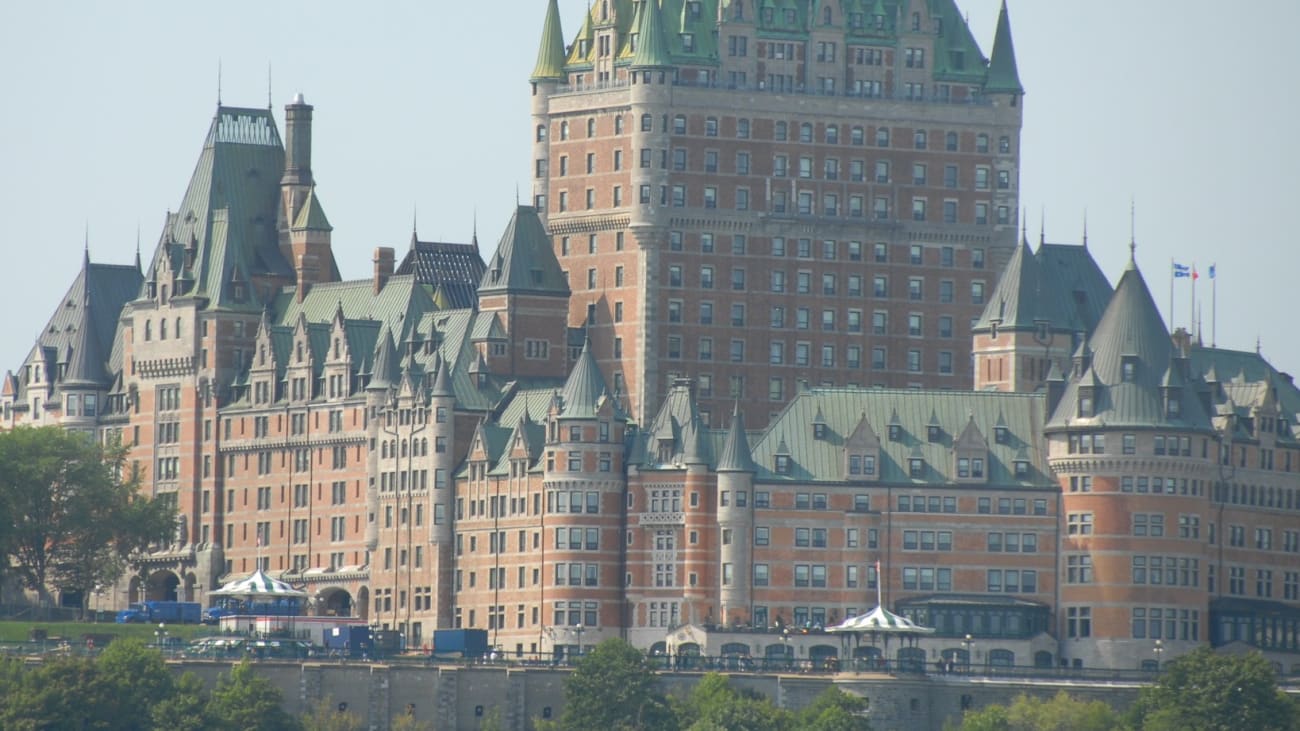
(1132, 230)
(218, 82)
(1042, 226)
(269, 103)
(137, 245)
(1259, 345)
(1085, 227)
(1024, 231)
(474, 233)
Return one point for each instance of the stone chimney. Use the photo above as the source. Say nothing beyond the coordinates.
(307, 266)
(383, 260)
(297, 143)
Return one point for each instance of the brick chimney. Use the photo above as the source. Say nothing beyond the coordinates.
(383, 260)
(306, 269)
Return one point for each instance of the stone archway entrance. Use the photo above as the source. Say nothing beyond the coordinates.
(162, 586)
(334, 602)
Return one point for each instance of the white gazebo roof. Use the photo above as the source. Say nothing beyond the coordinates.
(259, 585)
(881, 620)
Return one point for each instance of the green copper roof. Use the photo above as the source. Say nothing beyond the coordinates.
(652, 45)
(312, 216)
(1131, 331)
(524, 262)
(1060, 284)
(550, 54)
(585, 391)
(848, 414)
(736, 456)
(228, 216)
(1003, 75)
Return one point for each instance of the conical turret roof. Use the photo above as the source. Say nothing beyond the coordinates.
(385, 373)
(585, 389)
(652, 50)
(550, 53)
(736, 454)
(1003, 75)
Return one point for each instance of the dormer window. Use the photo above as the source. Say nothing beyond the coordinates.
(970, 468)
(933, 433)
(861, 465)
(781, 464)
(916, 467)
(688, 42)
(1001, 434)
(1086, 407)
(1128, 368)
(895, 432)
(1022, 469)
(819, 431)
(1173, 407)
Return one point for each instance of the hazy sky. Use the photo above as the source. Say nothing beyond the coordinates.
(1188, 108)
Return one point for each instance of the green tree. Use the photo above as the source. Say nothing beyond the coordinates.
(1207, 691)
(714, 703)
(70, 517)
(185, 709)
(612, 687)
(133, 680)
(1062, 712)
(244, 701)
(835, 710)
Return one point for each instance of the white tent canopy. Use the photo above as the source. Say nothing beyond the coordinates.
(881, 620)
(259, 586)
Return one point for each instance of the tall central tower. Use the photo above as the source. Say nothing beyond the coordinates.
(758, 197)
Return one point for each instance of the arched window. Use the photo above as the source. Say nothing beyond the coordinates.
(826, 15)
(1001, 658)
(162, 329)
(591, 128)
(916, 21)
(564, 130)
(738, 10)
(541, 133)
(178, 327)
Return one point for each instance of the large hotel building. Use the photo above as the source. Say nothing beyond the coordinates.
(756, 195)
(797, 220)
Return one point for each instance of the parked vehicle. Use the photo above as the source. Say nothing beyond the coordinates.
(161, 611)
(463, 642)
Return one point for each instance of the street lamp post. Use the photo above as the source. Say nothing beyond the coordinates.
(162, 636)
(968, 643)
(579, 629)
(1159, 650)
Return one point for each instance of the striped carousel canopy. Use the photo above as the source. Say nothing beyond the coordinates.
(881, 620)
(258, 585)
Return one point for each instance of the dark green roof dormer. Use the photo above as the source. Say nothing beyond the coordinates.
(1003, 75)
(550, 55)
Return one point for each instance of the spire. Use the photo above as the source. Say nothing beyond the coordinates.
(652, 40)
(736, 456)
(86, 358)
(550, 55)
(442, 380)
(311, 216)
(585, 388)
(384, 372)
(1003, 76)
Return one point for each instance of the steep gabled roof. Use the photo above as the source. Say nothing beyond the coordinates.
(524, 262)
(585, 391)
(455, 270)
(1059, 284)
(228, 216)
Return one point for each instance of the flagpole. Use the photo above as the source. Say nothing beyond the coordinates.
(1192, 322)
(1171, 294)
(1214, 301)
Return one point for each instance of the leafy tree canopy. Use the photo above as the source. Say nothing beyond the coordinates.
(1207, 691)
(70, 516)
(612, 687)
(245, 701)
(1062, 713)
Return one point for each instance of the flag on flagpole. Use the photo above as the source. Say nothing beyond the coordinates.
(1181, 270)
(1195, 275)
(1212, 271)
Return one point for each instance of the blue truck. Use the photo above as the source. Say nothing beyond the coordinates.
(471, 643)
(161, 611)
